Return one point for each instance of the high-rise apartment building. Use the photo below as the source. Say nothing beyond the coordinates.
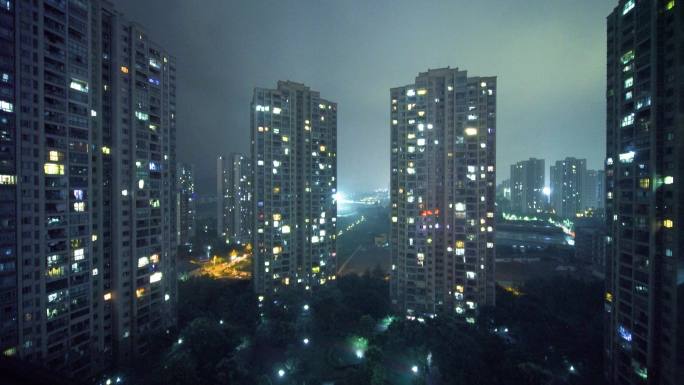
(528, 178)
(567, 177)
(443, 146)
(593, 190)
(294, 158)
(87, 130)
(644, 333)
(185, 195)
(234, 198)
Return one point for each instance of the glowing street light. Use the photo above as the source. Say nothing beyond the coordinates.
(281, 373)
(306, 341)
(359, 353)
(414, 369)
(306, 307)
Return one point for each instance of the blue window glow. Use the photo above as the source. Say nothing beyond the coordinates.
(624, 333)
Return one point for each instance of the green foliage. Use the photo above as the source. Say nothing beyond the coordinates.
(553, 323)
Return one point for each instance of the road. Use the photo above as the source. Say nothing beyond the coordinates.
(340, 270)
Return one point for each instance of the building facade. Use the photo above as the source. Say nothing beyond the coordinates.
(186, 219)
(590, 244)
(87, 185)
(644, 336)
(234, 198)
(443, 146)
(528, 178)
(567, 178)
(593, 190)
(294, 158)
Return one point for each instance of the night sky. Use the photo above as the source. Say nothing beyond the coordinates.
(549, 56)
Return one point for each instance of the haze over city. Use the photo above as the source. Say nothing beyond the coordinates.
(549, 57)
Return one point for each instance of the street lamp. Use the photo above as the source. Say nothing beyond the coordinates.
(414, 369)
(281, 373)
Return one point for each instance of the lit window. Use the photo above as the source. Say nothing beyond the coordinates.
(8, 179)
(79, 254)
(143, 261)
(670, 5)
(155, 277)
(645, 183)
(629, 5)
(411, 92)
(628, 120)
(668, 223)
(78, 85)
(53, 169)
(421, 91)
(154, 63)
(142, 115)
(276, 110)
(6, 106)
(627, 57)
(668, 180)
(629, 82)
(107, 296)
(124, 69)
(470, 131)
(627, 157)
(285, 229)
(79, 206)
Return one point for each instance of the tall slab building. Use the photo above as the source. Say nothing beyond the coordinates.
(87, 130)
(185, 195)
(644, 333)
(567, 180)
(443, 146)
(528, 178)
(593, 189)
(234, 198)
(294, 158)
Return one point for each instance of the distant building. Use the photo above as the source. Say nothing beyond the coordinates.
(503, 189)
(443, 146)
(528, 178)
(590, 244)
(294, 156)
(234, 198)
(87, 186)
(644, 330)
(593, 190)
(186, 204)
(567, 178)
